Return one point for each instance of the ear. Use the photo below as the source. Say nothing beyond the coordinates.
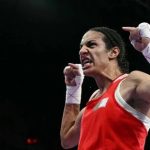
(114, 52)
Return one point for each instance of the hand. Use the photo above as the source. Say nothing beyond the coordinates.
(70, 73)
(138, 42)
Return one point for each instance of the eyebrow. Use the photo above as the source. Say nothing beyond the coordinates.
(86, 42)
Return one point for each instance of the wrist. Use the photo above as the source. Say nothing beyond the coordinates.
(146, 52)
(144, 30)
(73, 93)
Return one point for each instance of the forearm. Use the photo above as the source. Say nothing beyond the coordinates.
(70, 126)
(69, 132)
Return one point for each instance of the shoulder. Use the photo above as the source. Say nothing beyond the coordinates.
(137, 76)
(132, 82)
(134, 78)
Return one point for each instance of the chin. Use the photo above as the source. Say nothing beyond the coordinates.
(88, 72)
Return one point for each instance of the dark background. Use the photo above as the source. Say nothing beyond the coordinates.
(37, 40)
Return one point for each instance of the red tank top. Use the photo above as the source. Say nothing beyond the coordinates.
(110, 126)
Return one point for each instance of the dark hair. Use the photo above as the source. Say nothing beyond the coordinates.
(111, 39)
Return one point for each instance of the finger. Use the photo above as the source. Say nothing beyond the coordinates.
(68, 71)
(129, 29)
(75, 66)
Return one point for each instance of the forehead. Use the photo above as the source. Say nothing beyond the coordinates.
(92, 35)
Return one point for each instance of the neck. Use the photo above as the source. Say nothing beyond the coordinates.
(106, 78)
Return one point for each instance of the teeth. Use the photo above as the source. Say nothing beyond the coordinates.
(85, 64)
(86, 61)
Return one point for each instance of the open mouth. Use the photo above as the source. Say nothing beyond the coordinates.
(86, 62)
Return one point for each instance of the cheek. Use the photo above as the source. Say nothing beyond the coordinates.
(101, 57)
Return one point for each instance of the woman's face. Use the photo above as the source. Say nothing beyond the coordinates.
(93, 53)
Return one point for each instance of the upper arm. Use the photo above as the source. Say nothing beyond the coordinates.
(143, 89)
(140, 85)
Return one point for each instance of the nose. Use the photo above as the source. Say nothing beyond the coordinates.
(83, 50)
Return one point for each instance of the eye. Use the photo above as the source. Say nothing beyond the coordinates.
(91, 44)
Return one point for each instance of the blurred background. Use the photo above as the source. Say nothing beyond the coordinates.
(37, 40)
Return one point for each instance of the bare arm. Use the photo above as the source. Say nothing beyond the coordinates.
(70, 126)
(143, 88)
(140, 39)
(136, 86)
